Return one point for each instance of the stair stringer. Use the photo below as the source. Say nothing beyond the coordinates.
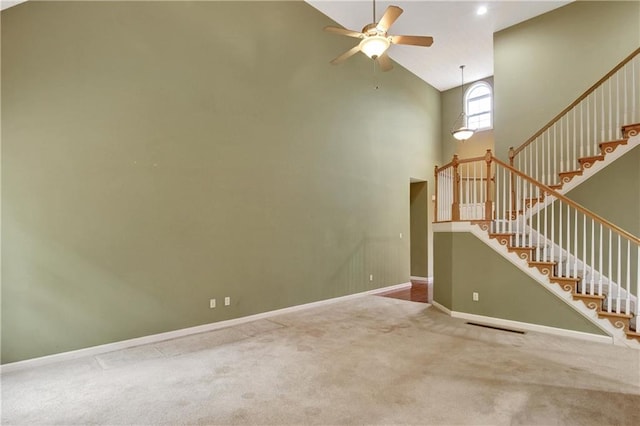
(573, 262)
(617, 335)
(587, 172)
(609, 158)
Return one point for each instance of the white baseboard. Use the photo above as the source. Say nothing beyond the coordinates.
(525, 326)
(155, 338)
(441, 307)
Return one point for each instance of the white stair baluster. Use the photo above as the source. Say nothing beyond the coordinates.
(555, 171)
(538, 230)
(584, 253)
(569, 166)
(600, 262)
(530, 196)
(575, 243)
(628, 297)
(582, 129)
(520, 211)
(504, 197)
(610, 109)
(575, 140)
(601, 124)
(610, 273)
(618, 97)
(545, 235)
(619, 255)
(567, 272)
(592, 276)
(560, 232)
(510, 205)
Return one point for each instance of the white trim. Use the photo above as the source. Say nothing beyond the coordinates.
(155, 338)
(524, 326)
(451, 227)
(441, 307)
(401, 286)
(426, 280)
(472, 87)
(422, 280)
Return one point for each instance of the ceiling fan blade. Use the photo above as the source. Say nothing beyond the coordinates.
(346, 55)
(385, 62)
(412, 40)
(343, 31)
(390, 15)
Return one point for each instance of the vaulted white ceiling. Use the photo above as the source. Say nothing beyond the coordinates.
(461, 36)
(8, 3)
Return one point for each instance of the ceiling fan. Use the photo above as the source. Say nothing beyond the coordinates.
(374, 38)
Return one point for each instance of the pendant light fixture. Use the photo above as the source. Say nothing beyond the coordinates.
(460, 130)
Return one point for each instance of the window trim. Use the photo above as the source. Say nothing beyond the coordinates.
(467, 92)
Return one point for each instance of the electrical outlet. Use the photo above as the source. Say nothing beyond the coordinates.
(371, 277)
(212, 303)
(227, 301)
(475, 296)
(401, 235)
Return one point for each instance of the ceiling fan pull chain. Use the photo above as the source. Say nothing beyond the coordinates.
(376, 85)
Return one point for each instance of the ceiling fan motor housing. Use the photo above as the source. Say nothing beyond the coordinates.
(375, 41)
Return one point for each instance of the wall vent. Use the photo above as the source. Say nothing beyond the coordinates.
(495, 328)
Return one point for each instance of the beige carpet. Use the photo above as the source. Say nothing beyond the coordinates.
(372, 360)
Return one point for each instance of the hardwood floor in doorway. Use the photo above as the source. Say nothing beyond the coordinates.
(418, 292)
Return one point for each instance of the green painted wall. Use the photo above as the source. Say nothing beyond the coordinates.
(504, 290)
(477, 145)
(614, 192)
(419, 220)
(544, 64)
(443, 280)
(159, 154)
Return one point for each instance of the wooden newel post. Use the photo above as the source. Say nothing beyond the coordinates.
(455, 206)
(488, 205)
(435, 204)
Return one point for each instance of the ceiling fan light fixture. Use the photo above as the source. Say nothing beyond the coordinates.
(374, 46)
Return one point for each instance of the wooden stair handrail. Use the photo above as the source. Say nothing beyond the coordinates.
(573, 204)
(513, 152)
(466, 160)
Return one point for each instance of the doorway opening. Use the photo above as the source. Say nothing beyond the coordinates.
(419, 223)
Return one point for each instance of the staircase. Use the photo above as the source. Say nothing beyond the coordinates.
(590, 163)
(588, 166)
(585, 285)
(587, 135)
(589, 262)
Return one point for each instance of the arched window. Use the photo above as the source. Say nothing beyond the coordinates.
(478, 105)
